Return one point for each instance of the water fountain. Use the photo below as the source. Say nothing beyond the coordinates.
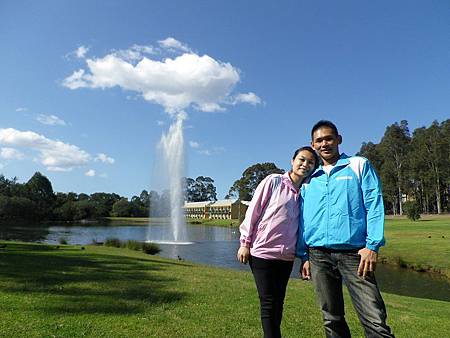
(171, 172)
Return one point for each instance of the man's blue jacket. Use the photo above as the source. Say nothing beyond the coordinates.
(342, 210)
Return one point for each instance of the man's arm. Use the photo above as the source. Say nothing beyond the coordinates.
(302, 249)
(373, 203)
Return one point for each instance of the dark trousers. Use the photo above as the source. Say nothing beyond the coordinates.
(271, 277)
(328, 270)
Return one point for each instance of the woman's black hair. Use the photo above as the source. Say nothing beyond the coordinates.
(312, 151)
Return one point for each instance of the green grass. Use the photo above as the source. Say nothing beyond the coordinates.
(423, 245)
(214, 222)
(47, 291)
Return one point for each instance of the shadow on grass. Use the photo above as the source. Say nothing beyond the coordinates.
(73, 281)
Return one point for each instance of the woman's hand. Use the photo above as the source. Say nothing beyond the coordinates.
(243, 254)
(305, 270)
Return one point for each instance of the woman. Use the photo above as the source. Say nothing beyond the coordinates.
(269, 236)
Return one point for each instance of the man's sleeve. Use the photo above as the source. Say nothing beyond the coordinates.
(255, 209)
(373, 203)
(302, 249)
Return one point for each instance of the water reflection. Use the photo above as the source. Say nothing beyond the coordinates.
(23, 232)
(214, 246)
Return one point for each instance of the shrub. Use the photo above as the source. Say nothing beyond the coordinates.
(62, 240)
(114, 242)
(412, 210)
(148, 248)
(133, 245)
(151, 248)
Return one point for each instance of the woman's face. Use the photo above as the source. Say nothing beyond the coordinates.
(303, 164)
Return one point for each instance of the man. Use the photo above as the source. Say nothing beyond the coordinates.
(342, 226)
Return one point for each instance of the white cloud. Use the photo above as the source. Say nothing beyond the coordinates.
(81, 52)
(104, 158)
(160, 123)
(11, 154)
(90, 173)
(54, 155)
(59, 169)
(75, 80)
(188, 80)
(173, 45)
(50, 120)
(21, 109)
(134, 53)
(205, 152)
(213, 151)
(194, 144)
(250, 97)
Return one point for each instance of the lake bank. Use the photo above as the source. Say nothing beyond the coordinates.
(102, 291)
(423, 245)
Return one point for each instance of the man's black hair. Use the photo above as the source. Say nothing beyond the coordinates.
(324, 123)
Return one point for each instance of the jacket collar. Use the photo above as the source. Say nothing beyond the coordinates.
(342, 162)
(288, 181)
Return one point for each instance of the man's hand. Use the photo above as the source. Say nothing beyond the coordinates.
(305, 270)
(368, 262)
(243, 254)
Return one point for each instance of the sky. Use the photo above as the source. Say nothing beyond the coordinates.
(89, 87)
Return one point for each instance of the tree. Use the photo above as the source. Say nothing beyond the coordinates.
(371, 151)
(412, 210)
(394, 148)
(40, 191)
(122, 208)
(430, 163)
(103, 202)
(200, 189)
(18, 208)
(251, 177)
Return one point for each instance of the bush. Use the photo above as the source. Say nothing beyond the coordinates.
(412, 210)
(133, 245)
(148, 248)
(151, 248)
(114, 242)
(62, 240)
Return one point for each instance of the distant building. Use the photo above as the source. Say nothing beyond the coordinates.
(222, 209)
(197, 209)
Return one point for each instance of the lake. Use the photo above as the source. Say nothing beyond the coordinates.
(212, 246)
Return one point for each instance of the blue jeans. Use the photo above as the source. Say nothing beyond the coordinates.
(328, 270)
(271, 277)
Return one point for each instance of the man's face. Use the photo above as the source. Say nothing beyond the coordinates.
(326, 143)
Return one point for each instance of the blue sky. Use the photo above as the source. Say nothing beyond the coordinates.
(88, 87)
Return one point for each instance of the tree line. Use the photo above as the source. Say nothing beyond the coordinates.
(35, 200)
(414, 169)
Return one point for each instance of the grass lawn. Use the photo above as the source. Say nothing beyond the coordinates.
(47, 291)
(423, 245)
(214, 222)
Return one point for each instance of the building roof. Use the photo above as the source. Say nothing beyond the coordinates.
(197, 204)
(224, 203)
(219, 203)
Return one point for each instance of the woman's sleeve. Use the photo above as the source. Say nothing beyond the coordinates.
(254, 212)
